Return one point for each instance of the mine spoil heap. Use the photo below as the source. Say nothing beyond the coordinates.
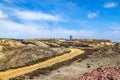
(107, 73)
(111, 73)
(17, 53)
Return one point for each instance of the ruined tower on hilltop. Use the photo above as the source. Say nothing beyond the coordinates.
(71, 37)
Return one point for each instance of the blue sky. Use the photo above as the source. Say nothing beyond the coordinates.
(99, 19)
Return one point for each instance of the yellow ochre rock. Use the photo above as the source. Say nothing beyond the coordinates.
(1, 48)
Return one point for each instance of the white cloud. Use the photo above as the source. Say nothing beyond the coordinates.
(110, 5)
(30, 30)
(36, 15)
(19, 30)
(3, 15)
(92, 14)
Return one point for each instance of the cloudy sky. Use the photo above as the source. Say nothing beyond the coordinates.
(98, 19)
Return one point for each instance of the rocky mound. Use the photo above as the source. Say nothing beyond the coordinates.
(105, 58)
(18, 53)
(35, 50)
(111, 73)
(108, 51)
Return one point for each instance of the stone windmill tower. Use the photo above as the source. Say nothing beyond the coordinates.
(71, 37)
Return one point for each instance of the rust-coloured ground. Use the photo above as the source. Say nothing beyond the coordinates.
(111, 73)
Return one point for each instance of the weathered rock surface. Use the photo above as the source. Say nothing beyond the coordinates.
(109, 51)
(107, 56)
(19, 53)
(112, 73)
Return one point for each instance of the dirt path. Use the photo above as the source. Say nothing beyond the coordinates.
(6, 75)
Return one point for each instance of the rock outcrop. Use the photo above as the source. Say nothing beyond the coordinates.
(17, 53)
(111, 73)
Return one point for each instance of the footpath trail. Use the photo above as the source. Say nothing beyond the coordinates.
(6, 75)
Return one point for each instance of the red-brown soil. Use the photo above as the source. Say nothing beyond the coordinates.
(111, 73)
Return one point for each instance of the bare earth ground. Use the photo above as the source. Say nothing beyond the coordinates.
(58, 65)
(106, 57)
(77, 69)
